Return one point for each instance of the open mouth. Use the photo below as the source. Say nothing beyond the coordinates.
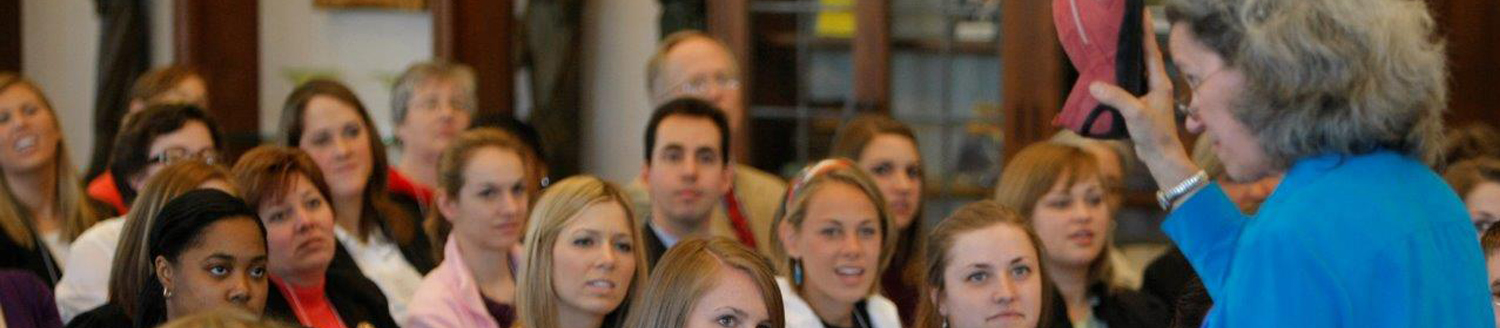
(600, 286)
(850, 275)
(24, 144)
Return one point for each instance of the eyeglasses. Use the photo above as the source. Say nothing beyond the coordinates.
(699, 86)
(173, 155)
(1185, 98)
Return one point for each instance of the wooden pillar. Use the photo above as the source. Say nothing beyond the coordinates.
(872, 55)
(729, 21)
(1032, 76)
(10, 35)
(478, 33)
(1468, 27)
(222, 39)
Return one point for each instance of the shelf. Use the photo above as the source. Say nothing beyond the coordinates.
(925, 45)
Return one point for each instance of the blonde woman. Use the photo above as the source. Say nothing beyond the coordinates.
(113, 250)
(583, 258)
(485, 186)
(713, 282)
(834, 237)
(984, 270)
(42, 204)
(1061, 193)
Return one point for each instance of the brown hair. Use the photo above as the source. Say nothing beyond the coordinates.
(266, 173)
(131, 266)
(1490, 241)
(811, 180)
(558, 206)
(974, 216)
(1465, 175)
(455, 160)
(378, 210)
(72, 204)
(1476, 139)
(850, 143)
(161, 80)
(688, 270)
(1033, 172)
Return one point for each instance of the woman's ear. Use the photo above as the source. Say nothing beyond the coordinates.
(788, 236)
(164, 272)
(937, 299)
(447, 205)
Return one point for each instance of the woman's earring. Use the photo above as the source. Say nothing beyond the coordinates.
(797, 272)
(166, 292)
(945, 322)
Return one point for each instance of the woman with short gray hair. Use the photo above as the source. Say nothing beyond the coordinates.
(1344, 97)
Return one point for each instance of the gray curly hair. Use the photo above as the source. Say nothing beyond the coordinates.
(1329, 76)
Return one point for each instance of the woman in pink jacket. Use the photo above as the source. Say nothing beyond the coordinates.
(486, 182)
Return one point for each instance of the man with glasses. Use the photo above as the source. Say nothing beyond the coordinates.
(694, 64)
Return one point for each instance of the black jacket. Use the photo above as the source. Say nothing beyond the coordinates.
(654, 246)
(356, 299)
(1118, 309)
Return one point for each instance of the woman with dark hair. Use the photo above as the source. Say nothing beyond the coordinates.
(380, 229)
(108, 257)
(313, 281)
(207, 250)
(1343, 97)
(149, 140)
(887, 149)
(42, 206)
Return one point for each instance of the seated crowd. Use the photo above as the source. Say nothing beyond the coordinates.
(321, 229)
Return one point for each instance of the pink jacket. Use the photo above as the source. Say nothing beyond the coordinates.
(448, 296)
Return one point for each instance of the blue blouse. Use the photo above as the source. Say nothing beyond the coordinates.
(1374, 240)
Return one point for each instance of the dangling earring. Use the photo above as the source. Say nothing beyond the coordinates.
(166, 293)
(796, 272)
(945, 321)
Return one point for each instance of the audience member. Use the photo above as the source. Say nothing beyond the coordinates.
(714, 282)
(691, 64)
(582, 264)
(149, 140)
(380, 229)
(485, 187)
(887, 150)
(984, 269)
(104, 256)
(313, 281)
(686, 173)
(431, 103)
(833, 240)
(42, 203)
(1059, 191)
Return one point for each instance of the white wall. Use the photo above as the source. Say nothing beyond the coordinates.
(618, 38)
(366, 49)
(59, 44)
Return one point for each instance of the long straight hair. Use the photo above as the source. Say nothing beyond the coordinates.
(72, 203)
(910, 243)
(558, 207)
(1033, 172)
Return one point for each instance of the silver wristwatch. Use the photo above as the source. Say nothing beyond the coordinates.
(1166, 197)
